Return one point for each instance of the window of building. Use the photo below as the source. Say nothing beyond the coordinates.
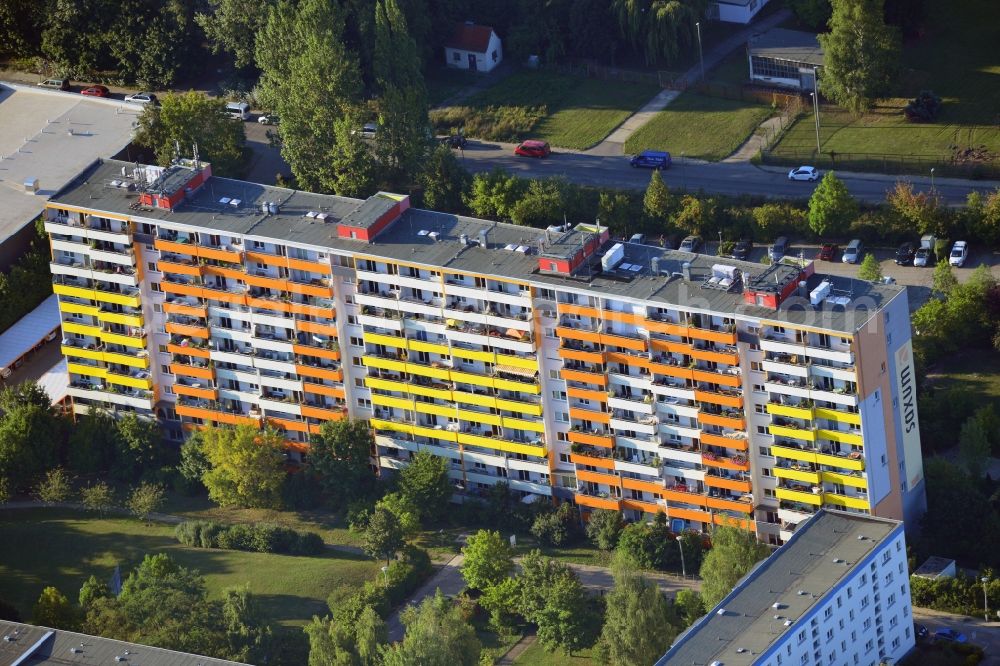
(161, 348)
(562, 417)
(356, 361)
(765, 450)
(553, 374)
(756, 366)
(152, 267)
(758, 388)
(564, 457)
(759, 409)
(550, 332)
(364, 403)
(769, 492)
(559, 395)
(351, 319)
(169, 390)
(359, 382)
(165, 369)
(762, 430)
(155, 286)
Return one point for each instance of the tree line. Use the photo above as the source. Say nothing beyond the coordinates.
(27, 283)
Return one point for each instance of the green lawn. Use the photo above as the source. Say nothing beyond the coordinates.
(734, 69)
(566, 111)
(708, 128)
(443, 82)
(977, 370)
(537, 656)
(42, 547)
(957, 59)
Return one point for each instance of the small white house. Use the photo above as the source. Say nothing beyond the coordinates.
(735, 11)
(473, 47)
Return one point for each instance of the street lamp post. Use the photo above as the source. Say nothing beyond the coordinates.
(681, 549)
(986, 599)
(701, 58)
(816, 118)
(932, 178)
(385, 574)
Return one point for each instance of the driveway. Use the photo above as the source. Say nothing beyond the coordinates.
(986, 634)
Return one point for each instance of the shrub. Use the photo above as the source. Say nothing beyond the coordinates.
(923, 108)
(263, 538)
(558, 528)
(309, 543)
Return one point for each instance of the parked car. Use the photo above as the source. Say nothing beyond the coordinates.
(454, 141)
(532, 148)
(949, 635)
(855, 250)
(690, 244)
(828, 251)
(96, 91)
(267, 119)
(238, 110)
(923, 257)
(959, 253)
(651, 159)
(779, 249)
(368, 130)
(638, 238)
(742, 249)
(55, 84)
(904, 255)
(141, 98)
(803, 173)
(920, 631)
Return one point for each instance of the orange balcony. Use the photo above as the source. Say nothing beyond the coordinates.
(579, 437)
(231, 256)
(592, 461)
(636, 344)
(205, 393)
(188, 351)
(722, 337)
(666, 328)
(288, 262)
(737, 443)
(689, 514)
(216, 416)
(173, 247)
(683, 497)
(586, 394)
(288, 424)
(584, 377)
(733, 422)
(738, 463)
(725, 358)
(186, 310)
(610, 503)
(670, 346)
(324, 413)
(589, 415)
(734, 401)
(180, 268)
(318, 311)
(335, 375)
(633, 361)
(316, 327)
(581, 355)
(184, 370)
(323, 389)
(729, 521)
(670, 370)
(730, 505)
(642, 505)
(187, 330)
(265, 282)
(738, 485)
(623, 317)
(597, 477)
(311, 289)
(318, 352)
(308, 266)
(645, 486)
(722, 378)
(578, 334)
(235, 273)
(218, 294)
(273, 304)
(182, 289)
(582, 310)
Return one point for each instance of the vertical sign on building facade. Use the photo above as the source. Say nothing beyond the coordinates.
(906, 387)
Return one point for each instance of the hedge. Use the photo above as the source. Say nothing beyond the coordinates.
(260, 538)
(400, 581)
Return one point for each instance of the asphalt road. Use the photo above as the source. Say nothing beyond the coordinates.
(716, 178)
(986, 634)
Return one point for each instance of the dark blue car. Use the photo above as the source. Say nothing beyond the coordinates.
(651, 159)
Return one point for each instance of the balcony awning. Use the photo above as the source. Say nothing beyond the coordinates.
(514, 333)
(527, 373)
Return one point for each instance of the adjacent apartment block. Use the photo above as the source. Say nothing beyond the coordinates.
(615, 375)
(835, 593)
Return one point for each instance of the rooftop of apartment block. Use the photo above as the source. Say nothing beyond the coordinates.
(48, 137)
(771, 600)
(30, 645)
(454, 242)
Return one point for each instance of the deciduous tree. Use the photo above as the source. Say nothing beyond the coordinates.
(604, 528)
(31, 433)
(55, 487)
(444, 181)
(734, 552)
(231, 26)
(659, 29)
(870, 269)
(424, 482)
(690, 606)
(249, 636)
(657, 201)
(145, 499)
(92, 590)
(141, 450)
(489, 560)
(340, 456)
(637, 629)
(98, 497)
(383, 536)
(436, 635)
(944, 279)
(568, 621)
(861, 54)
(831, 206)
(247, 466)
(54, 610)
(493, 194)
(973, 447)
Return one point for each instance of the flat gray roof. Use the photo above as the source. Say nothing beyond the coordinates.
(798, 576)
(29, 645)
(404, 241)
(29, 331)
(35, 143)
(784, 44)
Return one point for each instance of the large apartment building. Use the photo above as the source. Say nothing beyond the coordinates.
(616, 375)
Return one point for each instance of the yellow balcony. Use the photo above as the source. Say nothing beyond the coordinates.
(384, 363)
(797, 475)
(121, 318)
(385, 384)
(383, 424)
(529, 363)
(521, 424)
(520, 407)
(801, 455)
(387, 340)
(76, 308)
(424, 346)
(447, 411)
(77, 292)
(126, 340)
(427, 371)
(845, 479)
(125, 359)
(469, 378)
(849, 502)
(500, 444)
(82, 329)
(389, 401)
(523, 387)
(435, 433)
(126, 380)
(843, 462)
(788, 410)
(794, 433)
(86, 370)
(471, 354)
(466, 398)
(78, 352)
(117, 299)
(839, 436)
(478, 417)
(835, 415)
(427, 391)
(799, 496)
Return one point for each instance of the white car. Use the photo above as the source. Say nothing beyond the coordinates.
(959, 253)
(141, 98)
(803, 173)
(268, 119)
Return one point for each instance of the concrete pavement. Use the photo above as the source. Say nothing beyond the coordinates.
(448, 579)
(614, 144)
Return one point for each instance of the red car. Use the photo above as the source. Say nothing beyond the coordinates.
(533, 149)
(828, 251)
(95, 91)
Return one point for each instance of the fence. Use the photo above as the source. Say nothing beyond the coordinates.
(748, 93)
(988, 169)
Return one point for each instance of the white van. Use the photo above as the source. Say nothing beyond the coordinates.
(238, 110)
